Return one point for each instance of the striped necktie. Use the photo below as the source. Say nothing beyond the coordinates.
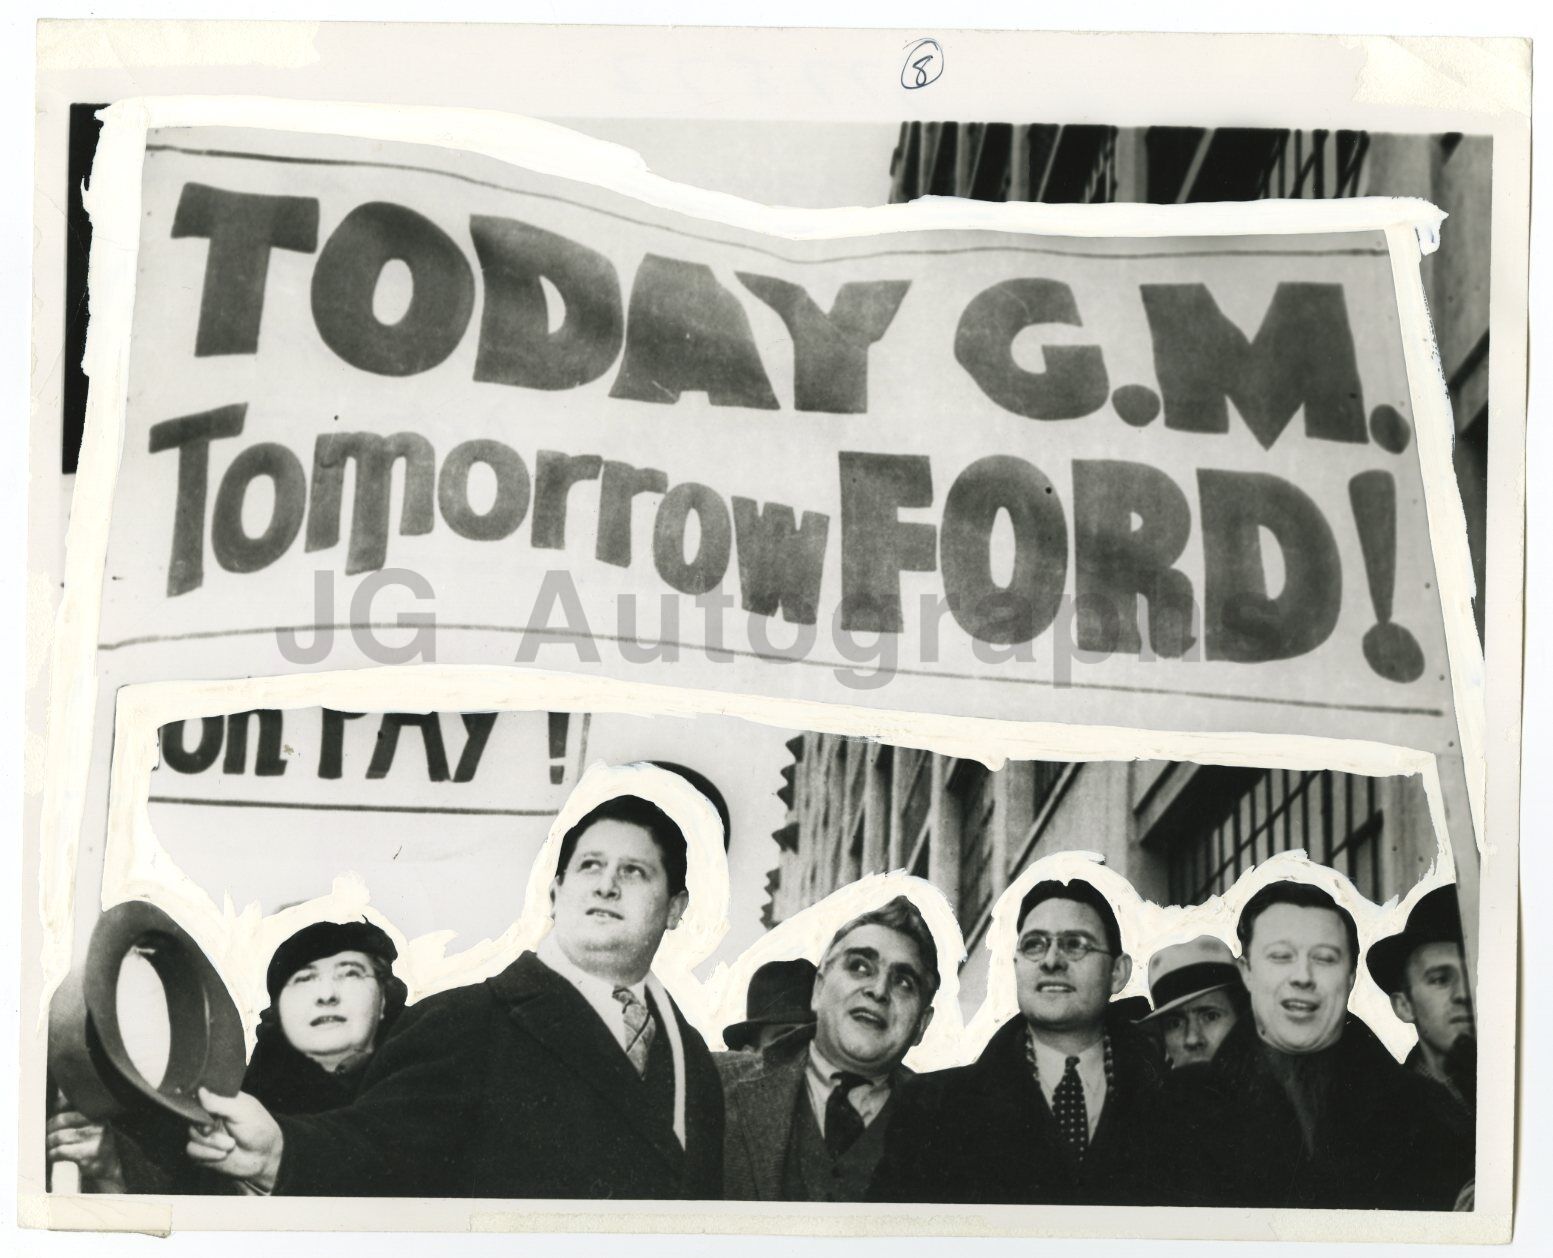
(639, 1028)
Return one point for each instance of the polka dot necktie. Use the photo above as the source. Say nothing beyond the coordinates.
(639, 1028)
(1070, 1112)
(843, 1124)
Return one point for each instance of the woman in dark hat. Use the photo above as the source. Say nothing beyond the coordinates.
(333, 996)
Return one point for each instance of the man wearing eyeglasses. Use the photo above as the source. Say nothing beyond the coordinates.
(807, 1119)
(1062, 1105)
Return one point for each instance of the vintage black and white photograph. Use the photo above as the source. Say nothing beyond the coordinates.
(642, 632)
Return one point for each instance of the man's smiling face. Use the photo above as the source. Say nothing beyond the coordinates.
(612, 903)
(1299, 970)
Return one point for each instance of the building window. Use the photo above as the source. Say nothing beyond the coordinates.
(873, 833)
(971, 788)
(1044, 776)
(1335, 817)
(884, 770)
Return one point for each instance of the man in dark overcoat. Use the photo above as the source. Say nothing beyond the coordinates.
(569, 1074)
(807, 1118)
(1061, 1106)
(1423, 969)
(1303, 1106)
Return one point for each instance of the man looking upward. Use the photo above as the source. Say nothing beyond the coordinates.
(807, 1120)
(569, 1074)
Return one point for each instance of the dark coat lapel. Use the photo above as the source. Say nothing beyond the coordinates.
(1007, 1082)
(1135, 1076)
(1016, 1103)
(547, 1007)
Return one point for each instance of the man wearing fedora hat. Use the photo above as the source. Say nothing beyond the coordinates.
(807, 1118)
(1423, 970)
(1198, 998)
(776, 1005)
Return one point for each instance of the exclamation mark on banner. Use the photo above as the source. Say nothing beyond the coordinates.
(559, 722)
(1391, 649)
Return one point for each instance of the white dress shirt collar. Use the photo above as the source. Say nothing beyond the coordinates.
(598, 992)
(868, 1099)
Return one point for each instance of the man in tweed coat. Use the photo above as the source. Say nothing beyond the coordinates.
(806, 1120)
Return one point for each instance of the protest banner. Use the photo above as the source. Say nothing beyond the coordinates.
(1161, 469)
(391, 404)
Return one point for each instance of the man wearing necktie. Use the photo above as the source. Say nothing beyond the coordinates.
(569, 1074)
(1064, 1104)
(807, 1119)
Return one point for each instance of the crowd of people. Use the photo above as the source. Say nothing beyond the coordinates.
(1246, 1082)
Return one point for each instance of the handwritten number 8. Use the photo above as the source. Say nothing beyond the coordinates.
(923, 65)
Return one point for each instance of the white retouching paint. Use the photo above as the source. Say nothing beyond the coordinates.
(808, 934)
(1147, 928)
(240, 938)
(556, 150)
(1447, 521)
